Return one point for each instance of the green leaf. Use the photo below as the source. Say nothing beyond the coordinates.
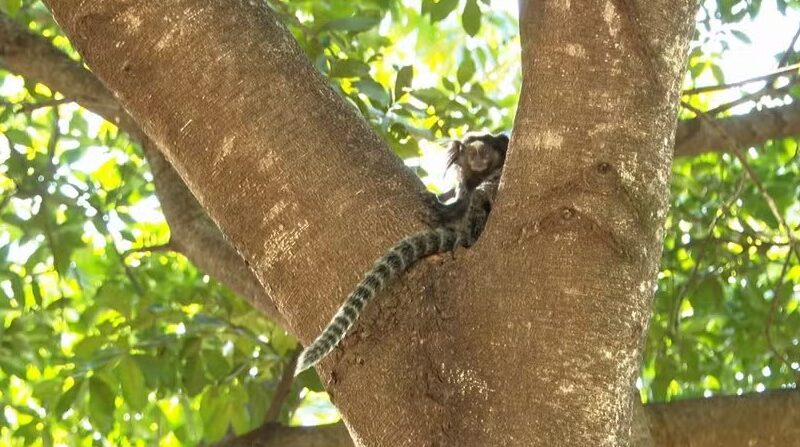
(12, 365)
(448, 84)
(471, 18)
(86, 348)
(194, 379)
(441, 9)
(466, 69)
(191, 346)
(428, 95)
(216, 364)
(108, 175)
(237, 408)
(66, 401)
(132, 381)
(709, 296)
(101, 404)
(16, 136)
(309, 379)
(373, 90)
(215, 412)
(115, 296)
(28, 432)
(282, 342)
(354, 24)
(403, 82)
(741, 36)
(348, 68)
(37, 292)
(716, 71)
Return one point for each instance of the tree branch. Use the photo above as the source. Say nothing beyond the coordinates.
(785, 71)
(283, 388)
(770, 419)
(696, 136)
(35, 58)
(15, 55)
(275, 435)
(194, 234)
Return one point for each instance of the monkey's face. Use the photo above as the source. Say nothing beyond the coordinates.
(479, 157)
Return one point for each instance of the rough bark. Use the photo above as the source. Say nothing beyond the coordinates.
(585, 188)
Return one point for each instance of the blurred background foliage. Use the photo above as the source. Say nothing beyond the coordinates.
(109, 338)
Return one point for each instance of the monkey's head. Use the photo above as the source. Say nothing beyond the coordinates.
(477, 156)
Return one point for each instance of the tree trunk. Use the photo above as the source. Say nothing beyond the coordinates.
(533, 337)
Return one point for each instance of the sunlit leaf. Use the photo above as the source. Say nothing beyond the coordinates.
(471, 18)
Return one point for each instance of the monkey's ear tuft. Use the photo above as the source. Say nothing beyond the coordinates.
(452, 153)
(501, 141)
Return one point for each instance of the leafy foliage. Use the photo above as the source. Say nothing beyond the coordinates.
(107, 335)
(726, 318)
(365, 47)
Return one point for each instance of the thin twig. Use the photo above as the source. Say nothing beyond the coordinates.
(282, 389)
(31, 106)
(790, 49)
(149, 249)
(792, 69)
(768, 90)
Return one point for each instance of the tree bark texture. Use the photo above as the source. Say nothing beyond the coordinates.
(309, 197)
(576, 234)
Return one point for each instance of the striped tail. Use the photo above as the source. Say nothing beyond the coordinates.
(397, 260)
